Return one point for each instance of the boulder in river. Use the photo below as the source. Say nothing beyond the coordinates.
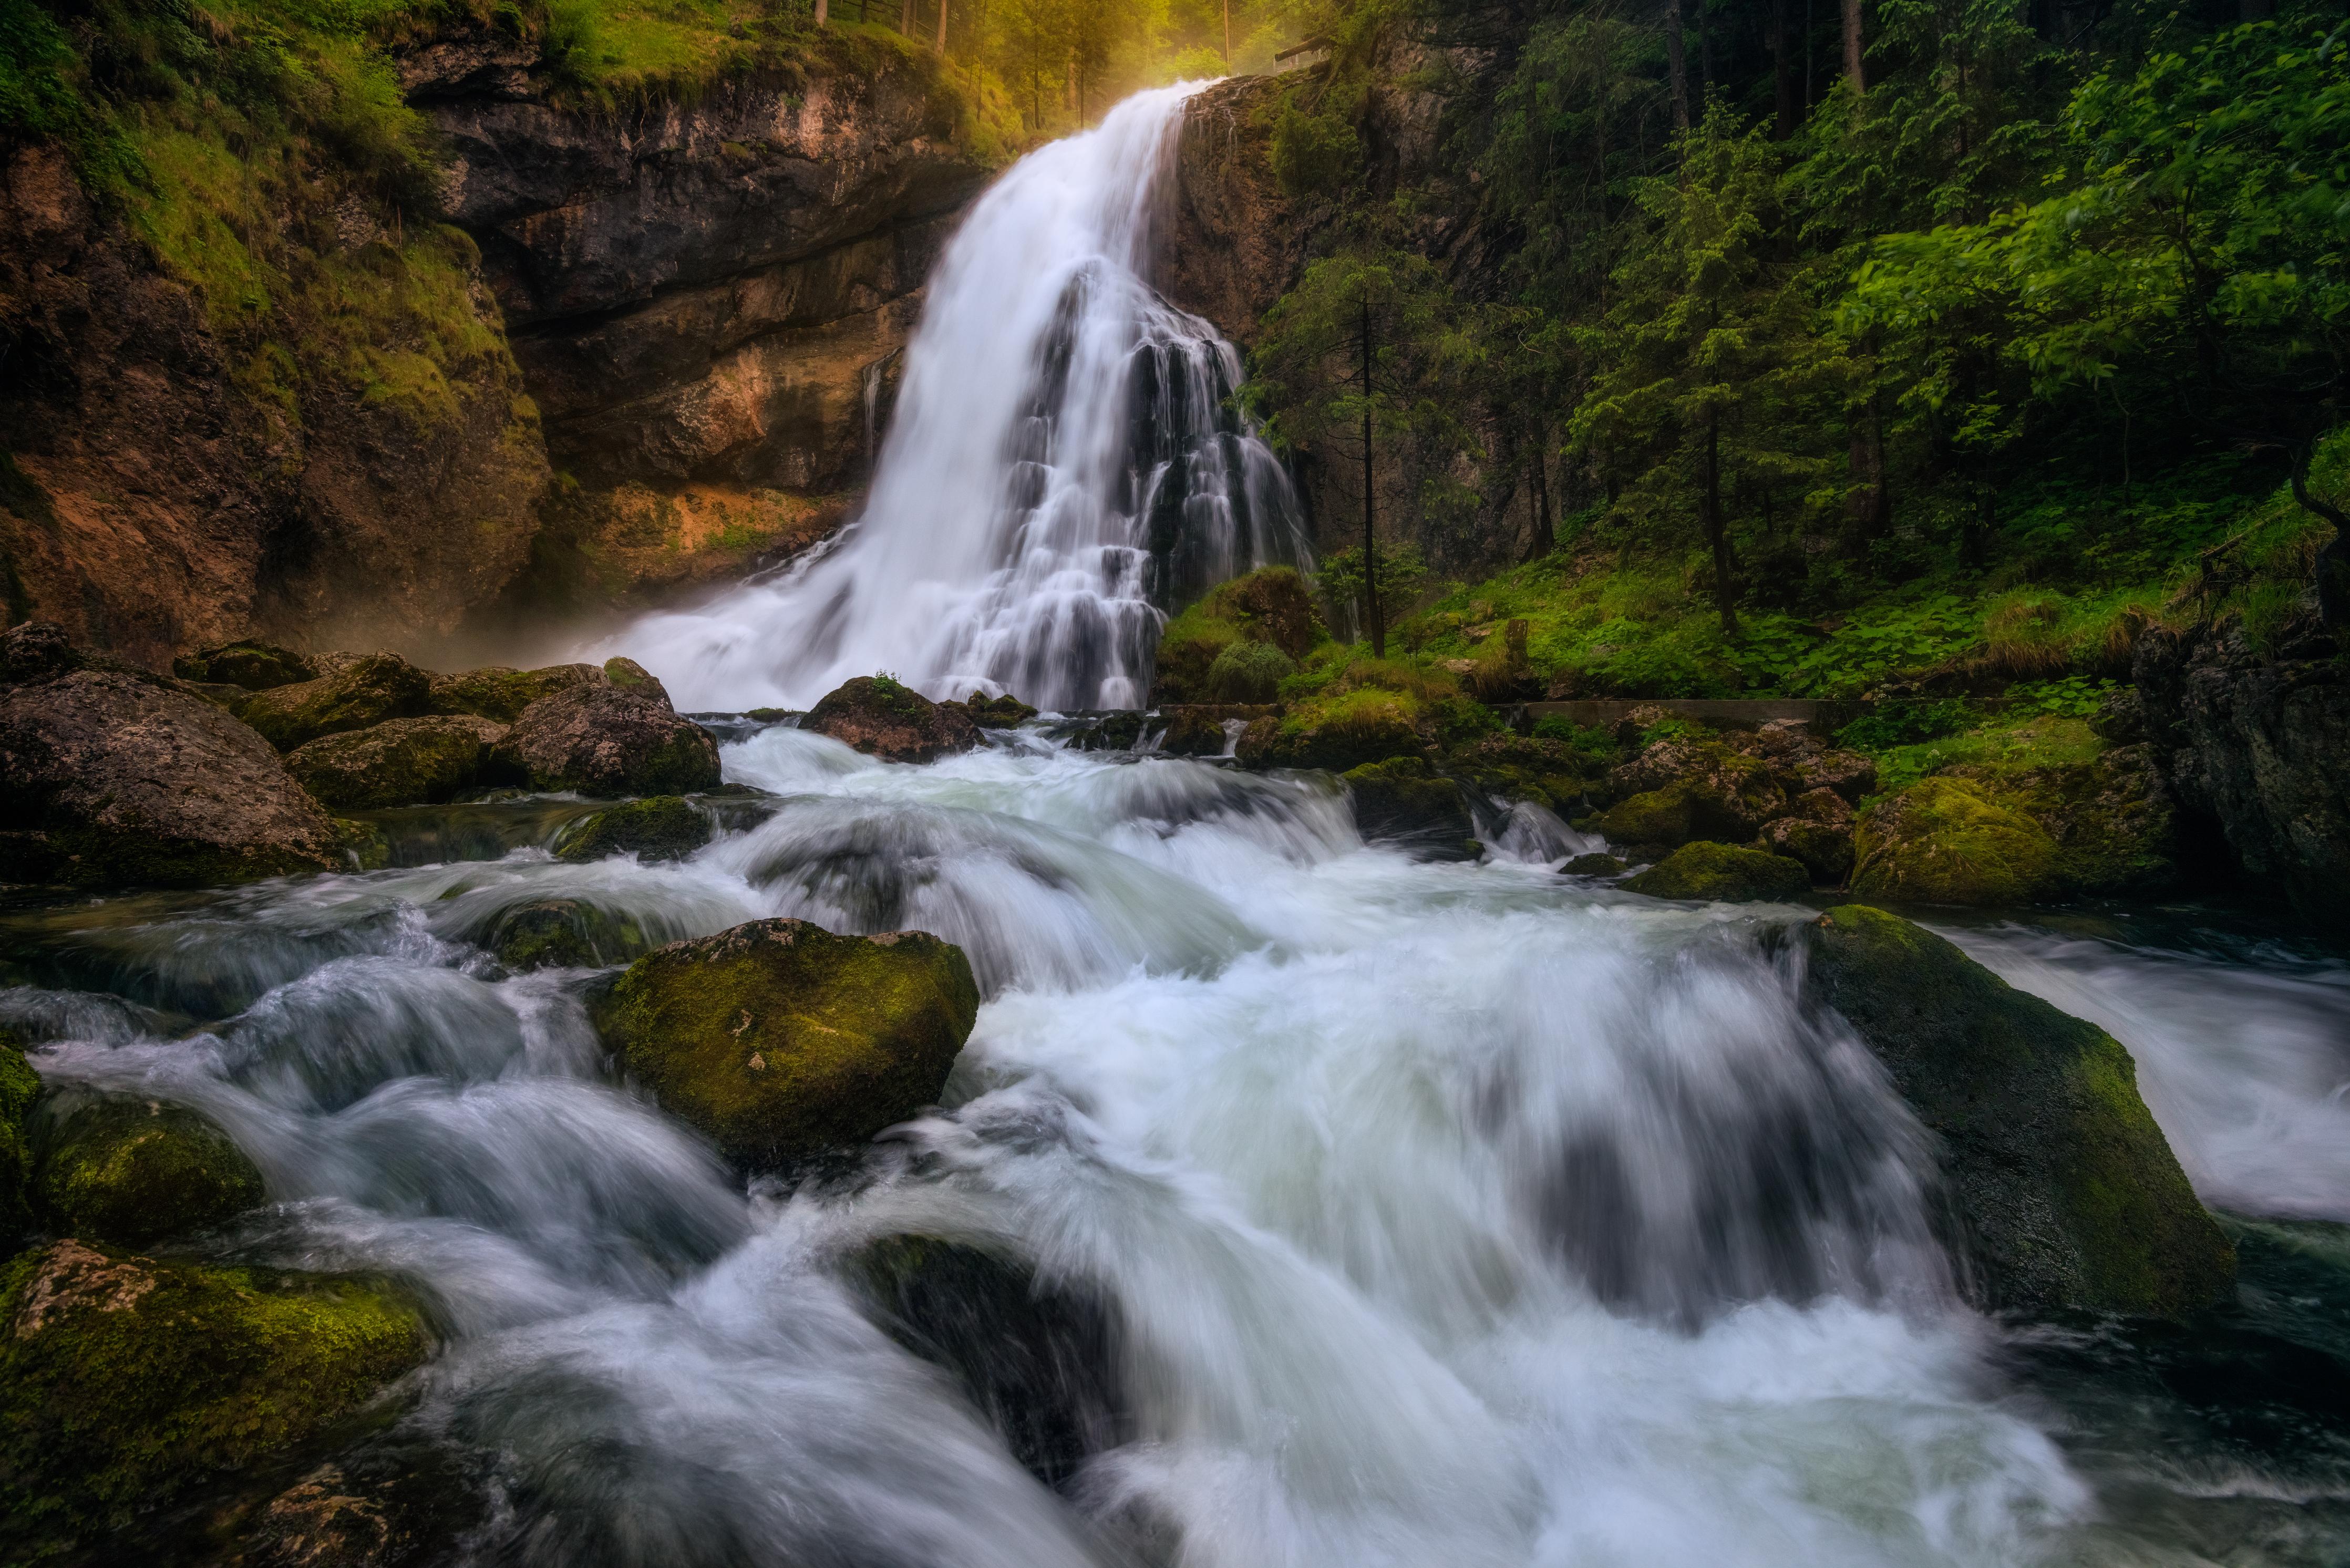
(563, 933)
(780, 1040)
(1406, 800)
(877, 715)
(665, 827)
(113, 778)
(19, 1087)
(501, 692)
(1947, 841)
(1004, 712)
(2069, 1195)
(255, 666)
(354, 694)
(601, 739)
(1721, 873)
(134, 1171)
(128, 1384)
(400, 762)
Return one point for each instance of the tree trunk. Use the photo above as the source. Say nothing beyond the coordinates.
(942, 26)
(1852, 76)
(1370, 539)
(1782, 74)
(1228, 34)
(1545, 538)
(1704, 50)
(1677, 64)
(823, 9)
(1717, 531)
(906, 17)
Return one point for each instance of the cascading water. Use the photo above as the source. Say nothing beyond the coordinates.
(1063, 464)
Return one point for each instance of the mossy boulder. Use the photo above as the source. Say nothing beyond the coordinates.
(1249, 672)
(1825, 850)
(1947, 841)
(1593, 864)
(1038, 1360)
(19, 1087)
(565, 933)
(362, 845)
(501, 692)
(1542, 769)
(400, 762)
(2112, 820)
(1338, 731)
(110, 778)
(666, 827)
(1405, 800)
(780, 1040)
(602, 741)
(1270, 608)
(1721, 873)
(881, 718)
(133, 1171)
(1004, 712)
(1662, 817)
(629, 676)
(127, 1385)
(1727, 794)
(366, 691)
(2069, 1194)
(1208, 729)
(253, 665)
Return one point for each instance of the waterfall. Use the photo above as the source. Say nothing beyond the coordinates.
(1063, 467)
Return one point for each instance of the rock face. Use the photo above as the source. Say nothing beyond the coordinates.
(1236, 241)
(127, 1385)
(895, 723)
(2256, 754)
(1721, 873)
(400, 762)
(110, 778)
(132, 1172)
(601, 739)
(2069, 1194)
(780, 1040)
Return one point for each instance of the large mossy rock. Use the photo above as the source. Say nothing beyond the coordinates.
(600, 740)
(1405, 800)
(501, 692)
(400, 762)
(1947, 841)
(1208, 729)
(255, 666)
(1249, 672)
(780, 1040)
(880, 718)
(132, 1172)
(365, 690)
(1721, 873)
(1339, 732)
(2070, 1196)
(565, 933)
(19, 1087)
(110, 778)
(1271, 608)
(127, 1385)
(666, 827)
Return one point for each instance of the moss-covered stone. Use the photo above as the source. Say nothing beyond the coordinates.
(400, 762)
(2070, 1195)
(367, 691)
(666, 827)
(880, 717)
(132, 1171)
(565, 933)
(1593, 866)
(1208, 729)
(362, 845)
(19, 1087)
(1339, 731)
(2111, 818)
(127, 1385)
(780, 1040)
(1723, 872)
(1004, 712)
(1657, 817)
(1405, 799)
(629, 676)
(250, 666)
(1249, 672)
(1825, 849)
(1945, 841)
(1271, 608)
(501, 692)
(601, 740)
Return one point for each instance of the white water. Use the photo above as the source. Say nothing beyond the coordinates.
(1061, 466)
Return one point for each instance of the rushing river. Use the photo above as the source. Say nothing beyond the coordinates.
(1412, 1214)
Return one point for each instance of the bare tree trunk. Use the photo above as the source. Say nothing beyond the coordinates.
(906, 17)
(1228, 34)
(823, 10)
(1852, 71)
(942, 26)
(1782, 74)
(1545, 537)
(1370, 538)
(1717, 530)
(1704, 49)
(1676, 64)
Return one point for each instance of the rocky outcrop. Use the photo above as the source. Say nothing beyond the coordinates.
(2256, 752)
(400, 762)
(1235, 241)
(132, 1172)
(780, 1040)
(1721, 873)
(2067, 1194)
(109, 777)
(602, 740)
(883, 719)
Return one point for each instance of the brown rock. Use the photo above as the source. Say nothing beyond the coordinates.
(400, 762)
(895, 723)
(603, 741)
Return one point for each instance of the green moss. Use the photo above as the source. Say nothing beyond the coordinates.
(666, 827)
(362, 845)
(2071, 1194)
(1723, 872)
(19, 1087)
(1270, 608)
(255, 665)
(1945, 841)
(1656, 818)
(367, 691)
(128, 1384)
(780, 1040)
(400, 761)
(1249, 672)
(500, 692)
(132, 1172)
(1342, 730)
(565, 933)
(629, 676)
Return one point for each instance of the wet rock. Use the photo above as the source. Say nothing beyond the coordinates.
(1208, 729)
(1406, 800)
(1723, 872)
(19, 1087)
(400, 762)
(1825, 850)
(601, 739)
(565, 933)
(1338, 733)
(2069, 1196)
(629, 676)
(36, 651)
(1728, 795)
(363, 845)
(1593, 866)
(1038, 1360)
(367, 691)
(384, 1504)
(1664, 817)
(127, 1385)
(1549, 773)
(1004, 712)
(110, 778)
(497, 691)
(780, 1040)
(252, 666)
(1947, 841)
(666, 827)
(1249, 672)
(2112, 820)
(132, 1171)
(880, 718)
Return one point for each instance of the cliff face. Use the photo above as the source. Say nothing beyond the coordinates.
(641, 352)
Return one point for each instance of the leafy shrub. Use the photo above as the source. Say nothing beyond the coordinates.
(1249, 672)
